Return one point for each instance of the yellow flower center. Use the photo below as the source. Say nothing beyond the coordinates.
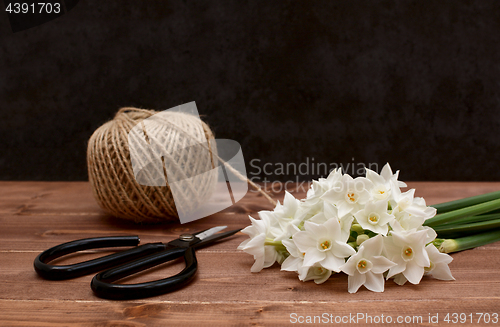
(362, 264)
(373, 218)
(408, 252)
(325, 245)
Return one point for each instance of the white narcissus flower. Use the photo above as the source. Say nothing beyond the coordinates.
(286, 213)
(413, 223)
(330, 212)
(405, 221)
(323, 244)
(309, 236)
(319, 187)
(313, 204)
(367, 266)
(439, 264)
(431, 233)
(287, 216)
(387, 175)
(318, 274)
(404, 205)
(260, 231)
(295, 261)
(348, 194)
(407, 250)
(374, 217)
(383, 183)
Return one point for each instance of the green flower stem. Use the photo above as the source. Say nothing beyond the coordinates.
(461, 213)
(472, 219)
(454, 230)
(469, 242)
(467, 202)
(492, 212)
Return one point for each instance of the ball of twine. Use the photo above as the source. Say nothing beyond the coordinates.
(112, 177)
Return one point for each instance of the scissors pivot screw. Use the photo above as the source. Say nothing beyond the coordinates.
(186, 237)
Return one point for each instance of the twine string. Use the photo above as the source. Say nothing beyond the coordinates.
(111, 174)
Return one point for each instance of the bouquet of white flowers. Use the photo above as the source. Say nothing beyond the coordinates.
(370, 230)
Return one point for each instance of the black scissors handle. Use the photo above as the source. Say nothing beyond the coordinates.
(54, 272)
(129, 262)
(102, 283)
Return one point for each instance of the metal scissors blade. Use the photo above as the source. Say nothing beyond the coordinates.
(209, 232)
(215, 237)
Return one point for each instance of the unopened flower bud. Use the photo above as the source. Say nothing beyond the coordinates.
(357, 228)
(361, 238)
(448, 246)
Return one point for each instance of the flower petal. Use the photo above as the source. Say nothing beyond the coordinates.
(291, 263)
(437, 257)
(413, 272)
(270, 256)
(344, 208)
(355, 281)
(291, 248)
(243, 244)
(304, 241)
(258, 265)
(333, 196)
(373, 246)
(381, 264)
(442, 271)
(323, 277)
(400, 279)
(312, 256)
(400, 267)
(332, 227)
(374, 282)
(256, 245)
(332, 262)
(386, 172)
(374, 177)
(421, 257)
(350, 266)
(317, 230)
(342, 250)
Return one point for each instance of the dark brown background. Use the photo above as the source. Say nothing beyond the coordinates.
(414, 83)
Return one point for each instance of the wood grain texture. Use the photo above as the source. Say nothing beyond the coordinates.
(35, 216)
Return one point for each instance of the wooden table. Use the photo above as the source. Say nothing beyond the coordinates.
(37, 215)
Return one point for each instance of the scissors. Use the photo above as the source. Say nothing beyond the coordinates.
(129, 262)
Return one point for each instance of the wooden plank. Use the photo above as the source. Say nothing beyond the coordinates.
(38, 215)
(242, 313)
(61, 212)
(226, 276)
(438, 192)
(76, 197)
(19, 232)
(47, 197)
